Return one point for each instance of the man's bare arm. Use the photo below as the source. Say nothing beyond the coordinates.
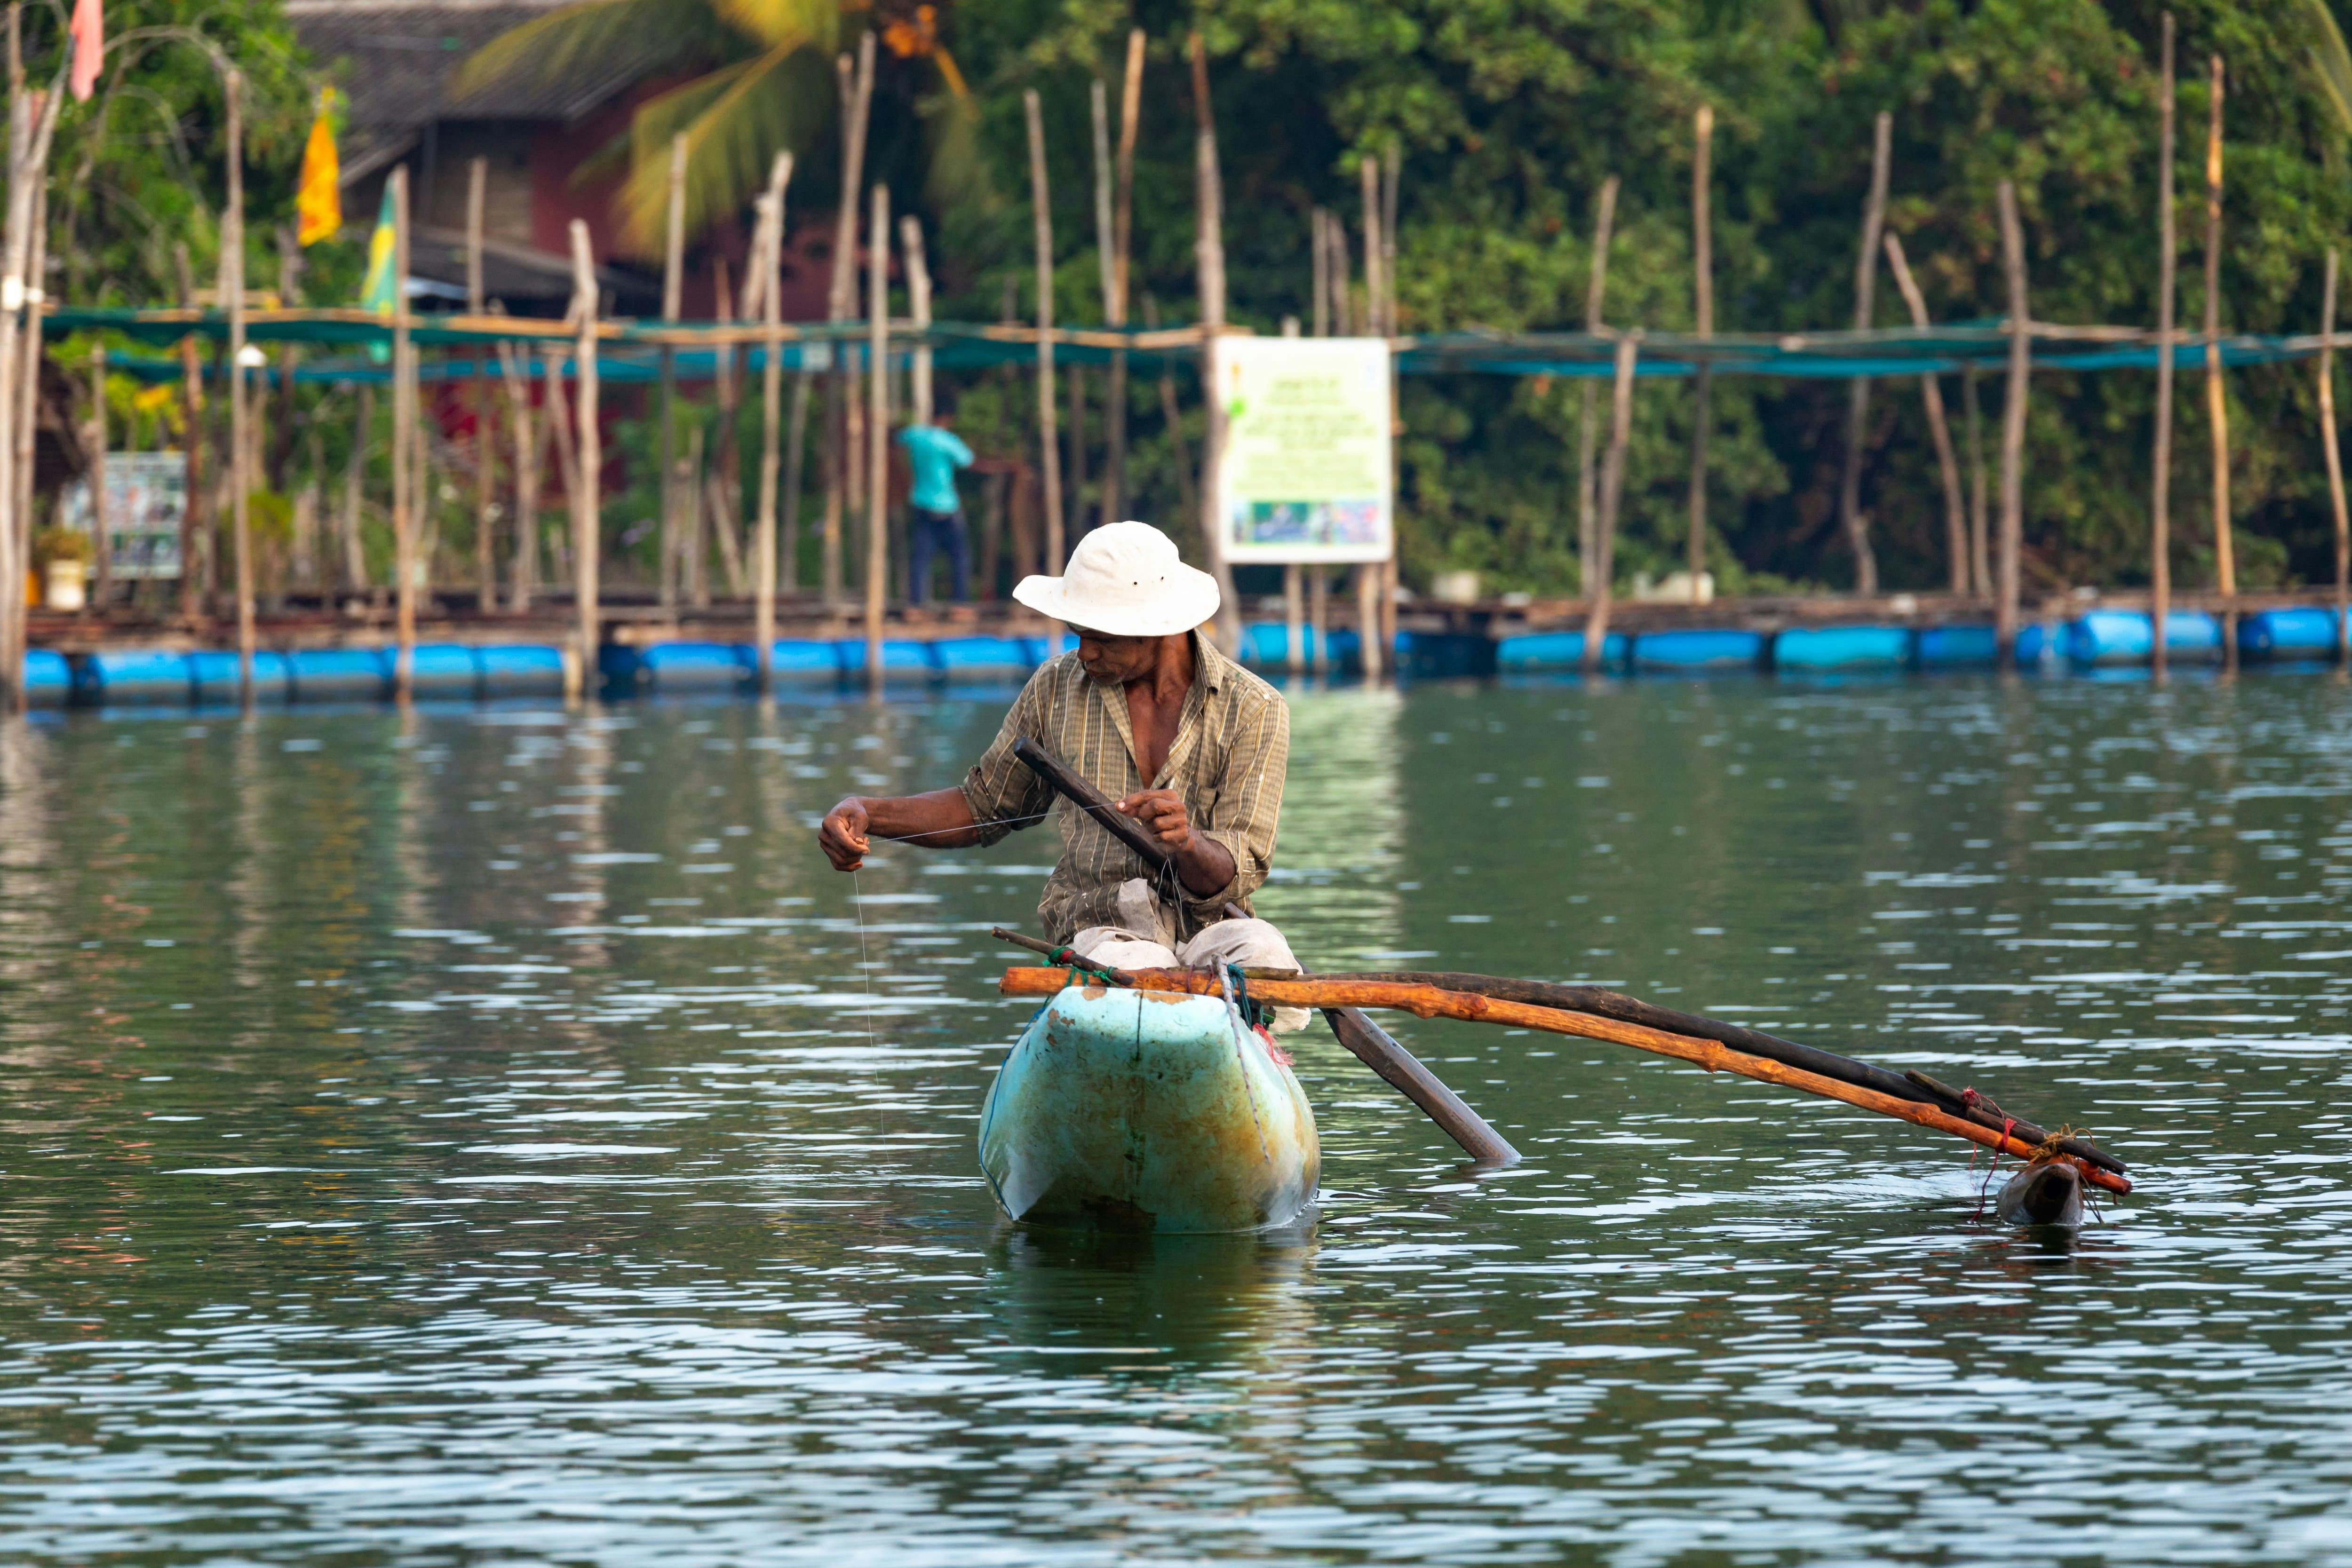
(940, 820)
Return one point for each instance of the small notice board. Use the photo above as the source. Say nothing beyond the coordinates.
(1305, 472)
(146, 491)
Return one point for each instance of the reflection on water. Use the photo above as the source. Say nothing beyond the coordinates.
(490, 1132)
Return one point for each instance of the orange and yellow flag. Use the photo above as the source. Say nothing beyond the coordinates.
(319, 197)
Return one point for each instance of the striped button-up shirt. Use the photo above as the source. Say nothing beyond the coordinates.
(1226, 764)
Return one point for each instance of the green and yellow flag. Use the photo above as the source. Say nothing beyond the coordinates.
(381, 292)
(319, 197)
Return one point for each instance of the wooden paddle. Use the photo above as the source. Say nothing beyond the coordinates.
(1429, 1001)
(1366, 1040)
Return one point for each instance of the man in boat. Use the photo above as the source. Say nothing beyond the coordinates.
(1183, 740)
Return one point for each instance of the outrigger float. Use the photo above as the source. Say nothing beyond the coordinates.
(1152, 1098)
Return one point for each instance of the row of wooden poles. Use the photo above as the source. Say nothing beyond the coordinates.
(1599, 489)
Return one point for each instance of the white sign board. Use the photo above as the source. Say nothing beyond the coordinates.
(1305, 472)
(146, 491)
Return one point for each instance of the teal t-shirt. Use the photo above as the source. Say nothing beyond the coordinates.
(935, 455)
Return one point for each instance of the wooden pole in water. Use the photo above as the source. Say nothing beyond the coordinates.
(2217, 408)
(2328, 443)
(355, 575)
(1041, 214)
(404, 444)
(918, 302)
(1294, 618)
(673, 285)
(857, 97)
(1980, 547)
(1319, 253)
(1940, 429)
(485, 560)
(767, 250)
(2159, 511)
(1371, 577)
(1703, 311)
(1130, 104)
(192, 414)
(1209, 258)
(2012, 425)
(588, 446)
(522, 578)
(877, 430)
(100, 532)
(724, 487)
(1613, 485)
(1588, 477)
(1857, 411)
(240, 409)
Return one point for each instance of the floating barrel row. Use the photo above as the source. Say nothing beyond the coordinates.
(727, 666)
(152, 677)
(2097, 639)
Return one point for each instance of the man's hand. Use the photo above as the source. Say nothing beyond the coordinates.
(1161, 814)
(844, 835)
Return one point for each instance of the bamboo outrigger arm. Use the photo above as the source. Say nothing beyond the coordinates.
(1429, 1001)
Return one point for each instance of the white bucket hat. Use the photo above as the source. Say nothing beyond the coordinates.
(1124, 579)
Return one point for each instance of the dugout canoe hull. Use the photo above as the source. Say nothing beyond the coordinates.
(1130, 1110)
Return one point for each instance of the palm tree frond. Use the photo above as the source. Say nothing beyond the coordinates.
(735, 120)
(814, 24)
(2331, 62)
(545, 48)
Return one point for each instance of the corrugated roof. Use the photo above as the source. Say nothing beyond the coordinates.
(403, 54)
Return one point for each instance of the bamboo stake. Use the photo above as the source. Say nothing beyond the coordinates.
(1393, 173)
(1318, 618)
(403, 442)
(1373, 576)
(1209, 255)
(354, 472)
(1613, 485)
(2160, 541)
(29, 384)
(1042, 228)
(2012, 425)
(1320, 259)
(673, 284)
(1107, 272)
(1429, 1001)
(725, 488)
(2328, 443)
(1702, 384)
(2217, 408)
(1857, 413)
(767, 283)
(878, 434)
(32, 119)
(486, 565)
(588, 471)
(1940, 429)
(1172, 419)
(1979, 548)
(100, 530)
(524, 572)
(191, 412)
(1368, 180)
(1114, 486)
(232, 286)
(1076, 377)
(1588, 477)
(918, 304)
(283, 431)
(855, 92)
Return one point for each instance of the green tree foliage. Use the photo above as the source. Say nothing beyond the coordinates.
(1511, 113)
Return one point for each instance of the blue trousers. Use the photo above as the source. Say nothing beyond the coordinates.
(930, 531)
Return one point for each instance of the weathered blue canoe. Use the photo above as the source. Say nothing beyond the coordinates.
(1129, 1110)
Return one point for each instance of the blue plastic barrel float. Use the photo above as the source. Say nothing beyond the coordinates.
(1343, 649)
(47, 678)
(2305, 631)
(903, 658)
(696, 667)
(340, 675)
(443, 670)
(2127, 637)
(2036, 645)
(520, 669)
(1531, 652)
(806, 659)
(1697, 651)
(135, 676)
(213, 676)
(1853, 648)
(620, 667)
(982, 658)
(1955, 647)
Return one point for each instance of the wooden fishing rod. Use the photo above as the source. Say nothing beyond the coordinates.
(1430, 1001)
(1366, 1040)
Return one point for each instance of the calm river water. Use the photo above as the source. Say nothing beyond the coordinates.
(487, 1134)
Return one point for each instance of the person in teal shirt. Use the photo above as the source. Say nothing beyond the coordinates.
(934, 510)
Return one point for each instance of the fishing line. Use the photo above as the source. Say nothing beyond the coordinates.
(865, 972)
